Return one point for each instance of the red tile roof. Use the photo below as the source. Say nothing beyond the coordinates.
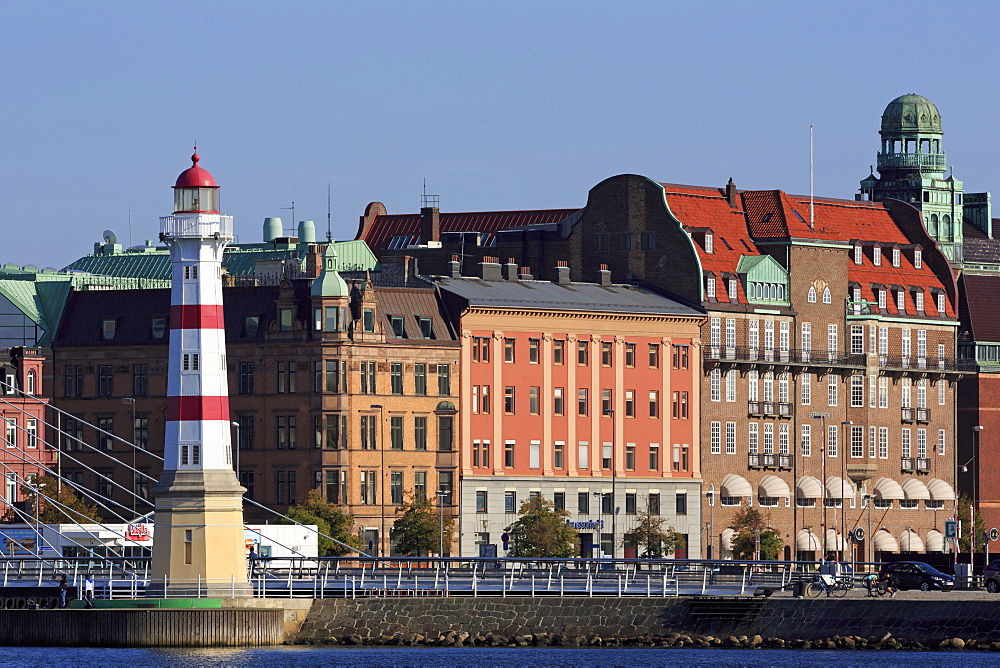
(385, 227)
(984, 319)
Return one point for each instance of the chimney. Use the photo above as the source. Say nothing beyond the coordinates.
(314, 261)
(562, 272)
(511, 269)
(455, 267)
(430, 223)
(489, 269)
(604, 276)
(731, 193)
(525, 274)
(409, 268)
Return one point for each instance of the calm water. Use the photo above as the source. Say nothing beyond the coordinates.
(481, 657)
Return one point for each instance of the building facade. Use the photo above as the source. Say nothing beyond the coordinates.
(582, 393)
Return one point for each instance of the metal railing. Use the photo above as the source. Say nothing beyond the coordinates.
(203, 225)
(769, 461)
(933, 161)
(790, 356)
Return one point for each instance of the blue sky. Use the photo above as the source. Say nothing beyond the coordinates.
(499, 105)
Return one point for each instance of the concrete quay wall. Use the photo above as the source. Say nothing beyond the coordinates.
(374, 619)
(142, 628)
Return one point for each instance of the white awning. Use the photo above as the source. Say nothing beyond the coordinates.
(807, 541)
(727, 539)
(910, 542)
(915, 490)
(809, 487)
(887, 488)
(835, 541)
(935, 541)
(773, 486)
(885, 542)
(940, 490)
(736, 485)
(838, 488)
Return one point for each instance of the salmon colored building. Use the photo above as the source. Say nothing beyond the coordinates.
(583, 393)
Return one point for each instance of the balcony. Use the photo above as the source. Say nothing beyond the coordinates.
(948, 364)
(925, 162)
(906, 415)
(906, 465)
(861, 307)
(756, 460)
(923, 465)
(201, 226)
(923, 415)
(792, 356)
(860, 471)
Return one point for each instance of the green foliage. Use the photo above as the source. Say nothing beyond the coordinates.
(73, 508)
(651, 538)
(417, 532)
(746, 524)
(329, 520)
(541, 531)
(965, 542)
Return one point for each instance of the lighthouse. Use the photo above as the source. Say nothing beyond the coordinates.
(198, 530)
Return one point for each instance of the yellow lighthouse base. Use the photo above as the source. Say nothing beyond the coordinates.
(198, 544)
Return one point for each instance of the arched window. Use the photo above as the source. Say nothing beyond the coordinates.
(933, 226)
(811, 297)
(751, 291)
(946, 226)
(781, 292)
(30, 382)
(827, 297)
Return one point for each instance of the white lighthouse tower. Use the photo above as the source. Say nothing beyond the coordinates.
(198, 534)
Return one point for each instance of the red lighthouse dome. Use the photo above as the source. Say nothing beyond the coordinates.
(196, 190)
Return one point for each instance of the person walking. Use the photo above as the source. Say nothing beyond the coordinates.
(63, 592)
(252, 561)
(88, 590)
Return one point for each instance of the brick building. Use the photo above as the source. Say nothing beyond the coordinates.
(583, 393)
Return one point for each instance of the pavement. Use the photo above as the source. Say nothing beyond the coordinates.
(913, 595)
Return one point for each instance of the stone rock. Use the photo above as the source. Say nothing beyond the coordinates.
(958, 643)
(756, 641)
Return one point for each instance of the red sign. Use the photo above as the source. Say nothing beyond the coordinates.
(138, 532)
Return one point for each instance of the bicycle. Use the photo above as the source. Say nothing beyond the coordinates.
(828, 584)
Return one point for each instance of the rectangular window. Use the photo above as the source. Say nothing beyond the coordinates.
(883, 442)
(396, 487)
(481, 349)
(583, 503)
(533, 400)
(559, 500)
(905, 440)
(445, 425)
(831, 440)
(857, 391)
(921, 443)
(941, 442)
(534, 351)
(140, 380)
(654, 355)
(420, 432)
(730, 332)
(872, 442)
(508, 454)
(716, 438)
(630, 403)
(420, 379)
(682, 356)
(607, 353)
(368, 377)
(535, 455)
(710, 287)
(582, 403)
(630, 456)
(559, 455)
(105, 426)
(941, 304)
(419, 486)
(730, 438)
(444, 379)
(715, 391)
(583, 456)
(558, 401)
(832, 344)
(654, 404)
(426, 327)
(368, 432)
(731, 376)
(508, 349)
(857, 441)
(558, 351)
(510, 502)
(857, 339)
(396, 377)
(831, 389)
(482, 506)
(805, 440)
(682, 505)
(654, 457)
(582, 353)
(508, 400)
(752, 442)
(805, 386)
(630, 355)
(768, 438)
(783, 438)
(105, 380)
(397, 323)
(630, 506)
(607, 403)
(396, 432)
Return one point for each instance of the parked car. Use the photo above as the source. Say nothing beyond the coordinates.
(917, 575)
(991, 576)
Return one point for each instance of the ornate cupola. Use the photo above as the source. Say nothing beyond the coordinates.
(195, 190)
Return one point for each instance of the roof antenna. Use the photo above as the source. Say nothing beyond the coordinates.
(812, 219)
(329, 233)
(130, 228)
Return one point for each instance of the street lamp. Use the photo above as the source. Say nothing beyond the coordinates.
(711, 520)
(842, 540)
(822, 417)
(131, 400)
(975, 491)
(614, 477)
(441, 494)
(868, 499)
(381, 477)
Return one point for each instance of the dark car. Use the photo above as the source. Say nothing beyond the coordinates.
(917, 575)
(991, 576)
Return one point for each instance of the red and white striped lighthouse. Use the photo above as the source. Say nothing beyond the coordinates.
(199, 501)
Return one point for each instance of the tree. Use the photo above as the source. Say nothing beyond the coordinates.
(541, 531)
(65, 507)
(965, 542)
(418, 531)
(648, 532)
(746, 524)
(329, 520)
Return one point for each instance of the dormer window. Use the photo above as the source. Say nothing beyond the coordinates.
(918, 260)
(920, 301)
(856, 294)
(877, 256)
(901, 301)
(733, 290)
(710, 287)
(895, 257)
(109, 327)
(811, 297)
(940, 304)
(881, 300)
(709, 243)
(827, 297)
(858, 254)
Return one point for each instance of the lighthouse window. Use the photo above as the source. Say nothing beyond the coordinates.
(191, 272)
(189, 362)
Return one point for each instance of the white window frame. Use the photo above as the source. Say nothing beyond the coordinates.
(805, 441)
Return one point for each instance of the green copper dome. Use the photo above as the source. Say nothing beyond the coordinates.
(911, 113)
